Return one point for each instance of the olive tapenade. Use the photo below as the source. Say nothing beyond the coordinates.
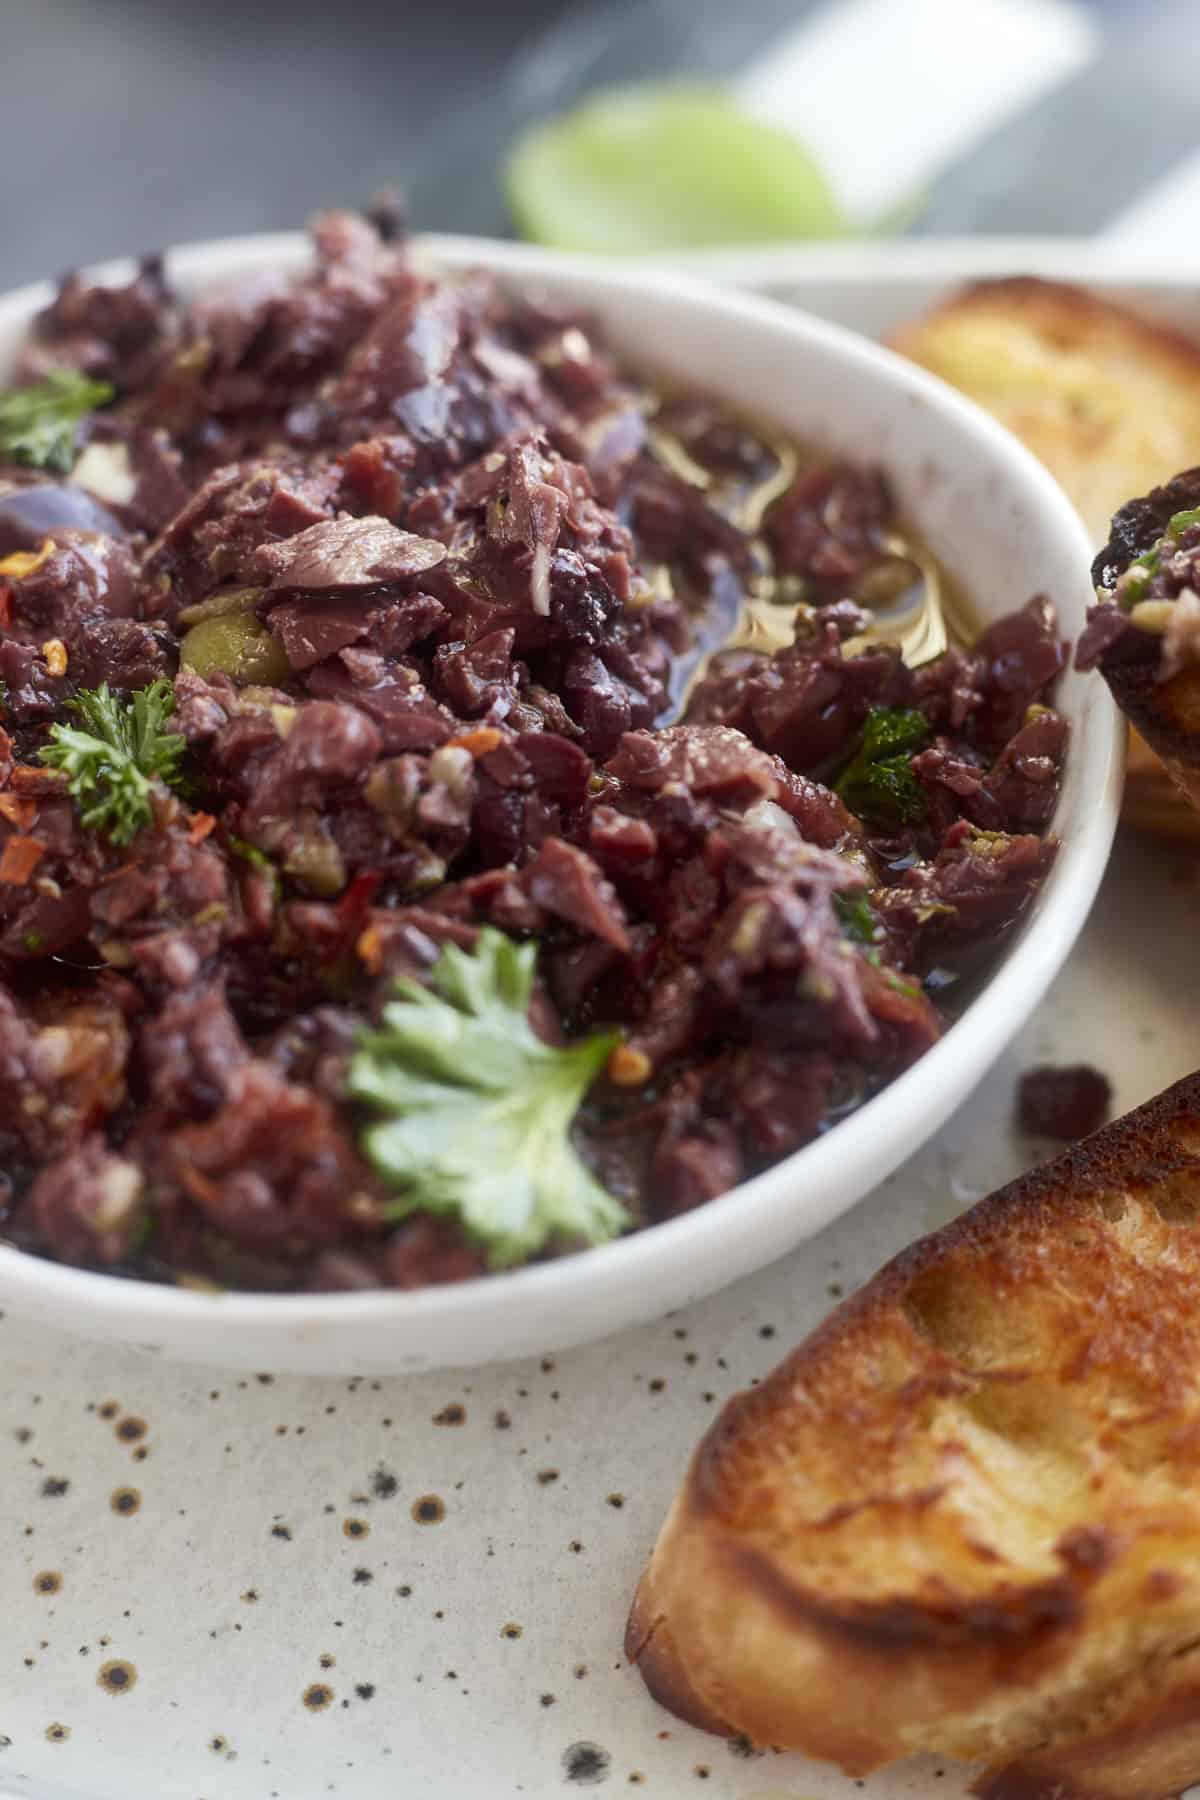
(411, 863)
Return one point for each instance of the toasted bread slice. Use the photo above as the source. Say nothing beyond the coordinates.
(1166, 713)
(1109, 401)
(964, 1516)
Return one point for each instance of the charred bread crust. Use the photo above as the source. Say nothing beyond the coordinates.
(859, 1564)
(1143, 1759)
(1068, 314)
(649, 1644)
(1066, 317)
(1109, 400)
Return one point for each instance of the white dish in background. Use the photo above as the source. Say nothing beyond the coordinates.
(874, 287)
(999, 522)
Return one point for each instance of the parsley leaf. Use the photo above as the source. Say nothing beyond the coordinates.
(477, 1109)
(857, 917)
(37, 424)
(112, 764)
(878, 783)
(258, 859)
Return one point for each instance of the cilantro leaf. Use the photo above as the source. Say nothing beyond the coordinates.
(878, 783)
(37, 424)
(112, 762)
(476, 1109)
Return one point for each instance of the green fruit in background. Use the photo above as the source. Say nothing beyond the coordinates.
(654, 168)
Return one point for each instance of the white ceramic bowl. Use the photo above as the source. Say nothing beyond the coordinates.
(989, 510)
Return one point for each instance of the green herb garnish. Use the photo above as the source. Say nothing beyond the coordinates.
(910, 989)
(1137, 578)
(878, 783)
(141, 1234)
(1182, 521)
(113, 761)
(37, 424)
(857, 917)
(250, 853)
(258, 859)
(476, 1109)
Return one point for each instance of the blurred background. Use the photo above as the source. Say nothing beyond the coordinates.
(130, 124)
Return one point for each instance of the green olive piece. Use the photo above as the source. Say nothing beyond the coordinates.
(237, 645)
(313, 859)
(225, 600)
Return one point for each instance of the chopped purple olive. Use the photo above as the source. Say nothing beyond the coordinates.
(411, 863)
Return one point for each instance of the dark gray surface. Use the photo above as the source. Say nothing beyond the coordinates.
(129, 124)
(136, 123)
(1089, 149)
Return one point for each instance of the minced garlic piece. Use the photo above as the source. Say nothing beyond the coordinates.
(104, 470)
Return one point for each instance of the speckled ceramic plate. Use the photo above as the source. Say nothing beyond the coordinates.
(224, 1587)
(233, 1587)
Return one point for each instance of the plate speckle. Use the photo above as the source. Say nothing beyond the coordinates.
(586, 1764)
(117, 1677)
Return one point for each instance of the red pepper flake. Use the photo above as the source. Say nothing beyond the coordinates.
(19, 810)
(370, 949)
(28, 778)
(201, 824)
(480, 742)
(628, 1067)
(355, 903)
(23, 563)
(199, 1186)
(20, 858)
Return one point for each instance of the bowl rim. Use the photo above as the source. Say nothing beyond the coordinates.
(1029, 963)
